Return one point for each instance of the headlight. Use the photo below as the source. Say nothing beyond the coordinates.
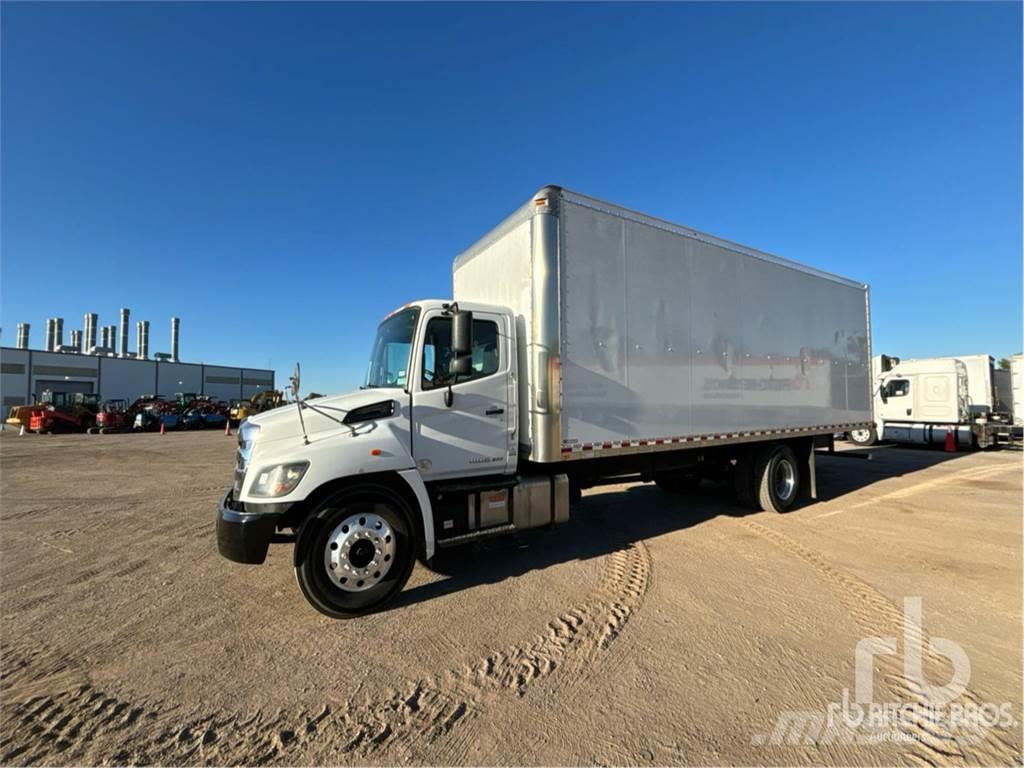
(278, 480)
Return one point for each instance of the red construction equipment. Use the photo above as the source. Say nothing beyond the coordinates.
(64, 412)
(112, 417)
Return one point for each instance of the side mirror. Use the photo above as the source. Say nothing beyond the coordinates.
(462, 365)
(462, 333)
(883, 394)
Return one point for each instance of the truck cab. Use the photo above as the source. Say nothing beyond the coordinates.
(423, 455)
(461, 423)
(924, 400)
(919, 401)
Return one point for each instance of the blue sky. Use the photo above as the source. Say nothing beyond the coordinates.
(282, 176)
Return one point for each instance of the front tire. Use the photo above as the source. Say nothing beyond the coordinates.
(355, 551)
(863, 437)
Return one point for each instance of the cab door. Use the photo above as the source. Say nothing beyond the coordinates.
(475, 434)
(897, 399)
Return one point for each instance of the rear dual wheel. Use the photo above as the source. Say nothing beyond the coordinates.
(768, 479)
(355, 551)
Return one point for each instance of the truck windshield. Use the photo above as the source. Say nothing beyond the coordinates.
(389, 358)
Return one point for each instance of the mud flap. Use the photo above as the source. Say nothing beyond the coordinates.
(812, 474)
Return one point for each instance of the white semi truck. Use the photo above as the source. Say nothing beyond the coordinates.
(926, 399)
(584, 343)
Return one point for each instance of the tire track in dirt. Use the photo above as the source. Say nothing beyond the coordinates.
(932, 742)
(24, 671)
(62, 717)
(602, 618)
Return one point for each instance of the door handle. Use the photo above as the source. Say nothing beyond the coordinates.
(908, 411)
(493, 411)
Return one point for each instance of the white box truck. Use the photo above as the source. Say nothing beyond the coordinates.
(923, 400)
(584, 343)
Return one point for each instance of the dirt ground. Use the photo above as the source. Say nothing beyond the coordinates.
(651, 629)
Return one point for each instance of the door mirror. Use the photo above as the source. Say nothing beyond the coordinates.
(462, 344)
(462, 333)
(883, 394)
(461, 365)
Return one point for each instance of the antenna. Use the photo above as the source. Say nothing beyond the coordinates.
(295, 379)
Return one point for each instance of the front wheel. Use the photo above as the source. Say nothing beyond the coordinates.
(863, 437)
(355, 551)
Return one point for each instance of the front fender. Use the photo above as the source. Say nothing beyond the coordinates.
(371, 449)
(419, 489)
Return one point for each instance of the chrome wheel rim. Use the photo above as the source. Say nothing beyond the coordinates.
(860, 435)
(359, 552)
(785, 480)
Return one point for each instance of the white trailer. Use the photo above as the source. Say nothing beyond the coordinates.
(585, 343)
(1017, 388)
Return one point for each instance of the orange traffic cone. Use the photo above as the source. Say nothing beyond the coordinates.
(950, 441)
(163, 430)
(227, 427)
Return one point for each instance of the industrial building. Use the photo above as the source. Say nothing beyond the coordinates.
(109, 369)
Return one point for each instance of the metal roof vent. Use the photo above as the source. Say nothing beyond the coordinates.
(90, 331)
(123, 345)
(175, 326)
(142, 335)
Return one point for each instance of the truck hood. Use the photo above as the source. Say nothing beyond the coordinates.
(321, 415)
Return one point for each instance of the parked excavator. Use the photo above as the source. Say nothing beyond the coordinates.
(261, 401)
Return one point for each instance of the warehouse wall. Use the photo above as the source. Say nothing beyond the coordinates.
(13, 378)
(23, 372)
(126, 379)
(50, 369)
(254, 381)
(169, 374)
(223, 383)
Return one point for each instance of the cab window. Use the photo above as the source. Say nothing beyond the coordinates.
(437, 352)
(897, 388)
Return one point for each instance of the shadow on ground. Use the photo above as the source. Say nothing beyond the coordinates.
(612, 520)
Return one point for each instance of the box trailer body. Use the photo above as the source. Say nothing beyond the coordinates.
(639, 331)
(1017, 388)
(584, 344)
